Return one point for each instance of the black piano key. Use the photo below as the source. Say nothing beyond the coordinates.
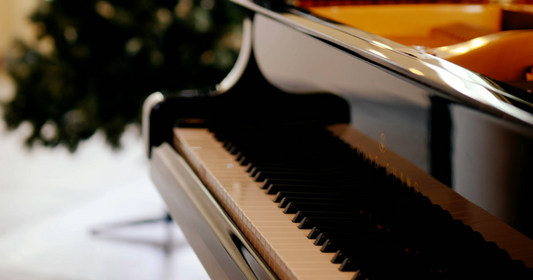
(233, 150)
(289, 157)
(286, 200)
(349, 265)
(374, 259)
(272, 181)
(262, 176)
(337, 174)
(333, 245)
(315, 231)
(282, 194)
(323, 236)
(260, 165)
(256, 170)
(294, 207)
(351, 233)
(275, 188)
(300, 215)
(340, 255)
(296, 160)
(226, 143)
(355, 221)
(219, 136)
(353, 254)
(243, 160)
(381, 263)
(240, 157)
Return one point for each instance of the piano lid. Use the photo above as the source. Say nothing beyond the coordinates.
(415, 65)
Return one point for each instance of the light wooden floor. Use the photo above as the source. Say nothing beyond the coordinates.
(50, 199)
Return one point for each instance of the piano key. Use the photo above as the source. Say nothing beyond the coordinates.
(286, 200)
(273, 164)
(340, 255)
(294, 207)
(262, 176)
(315, 231)
(250, 159)
(256, 170)
(300, 215)
(349, 265)
(282, 194)
(378, 260)
(275, 188)
(233, 150)
(323, 236)
(272, 181)
(353, 254)
(293, 166)
(358, 221)
(362, 242)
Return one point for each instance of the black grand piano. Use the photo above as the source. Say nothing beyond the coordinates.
(357, 141)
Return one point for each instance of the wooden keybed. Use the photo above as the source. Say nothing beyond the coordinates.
(283, 246)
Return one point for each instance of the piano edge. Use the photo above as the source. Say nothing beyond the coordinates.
(221, 247)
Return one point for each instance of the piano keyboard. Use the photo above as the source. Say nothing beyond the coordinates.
(314, 208)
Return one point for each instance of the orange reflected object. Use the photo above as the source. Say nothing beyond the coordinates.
(467, 35)
(504, 56)
(412, 21)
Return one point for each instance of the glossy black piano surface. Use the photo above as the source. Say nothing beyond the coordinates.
(470, 132)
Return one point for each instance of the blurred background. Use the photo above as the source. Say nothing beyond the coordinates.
(73, 76)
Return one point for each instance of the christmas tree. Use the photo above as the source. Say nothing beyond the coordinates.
(96, 61)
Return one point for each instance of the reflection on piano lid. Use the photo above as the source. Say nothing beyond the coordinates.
(471, 36)
(425, 129)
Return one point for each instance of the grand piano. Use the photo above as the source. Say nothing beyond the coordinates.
(357, 140)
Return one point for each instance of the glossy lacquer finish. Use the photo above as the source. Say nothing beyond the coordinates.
(464, 130)
(220, 246)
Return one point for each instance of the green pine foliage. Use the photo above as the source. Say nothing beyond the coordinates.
(96, 62)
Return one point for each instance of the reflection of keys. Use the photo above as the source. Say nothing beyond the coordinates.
(285, 248)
